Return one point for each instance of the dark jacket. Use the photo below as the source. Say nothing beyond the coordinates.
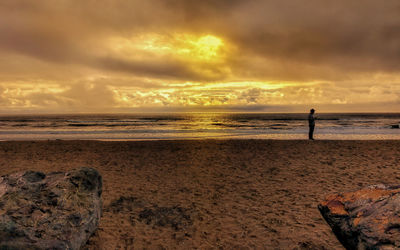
(311, 120)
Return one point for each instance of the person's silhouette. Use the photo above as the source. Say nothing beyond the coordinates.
(311, 124)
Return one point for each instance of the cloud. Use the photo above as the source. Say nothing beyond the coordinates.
(167, 69)
(349, 46)
(90, 96)
(345, 36)
(99, 95)
(2, 100)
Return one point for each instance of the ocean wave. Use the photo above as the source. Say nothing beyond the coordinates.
(83, 125)
(278, 124)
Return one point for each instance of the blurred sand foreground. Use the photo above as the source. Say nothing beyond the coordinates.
(211, 193)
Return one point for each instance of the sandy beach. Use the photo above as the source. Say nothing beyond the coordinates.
(214, 193)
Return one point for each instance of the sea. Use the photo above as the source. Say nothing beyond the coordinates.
(188, 126)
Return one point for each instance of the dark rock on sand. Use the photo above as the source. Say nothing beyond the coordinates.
(54, 211)
(365, 219)
(395, 126)
(175, 217)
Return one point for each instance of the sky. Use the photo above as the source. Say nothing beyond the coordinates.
(69, 56)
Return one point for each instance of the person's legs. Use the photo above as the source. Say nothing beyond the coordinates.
(311, 133)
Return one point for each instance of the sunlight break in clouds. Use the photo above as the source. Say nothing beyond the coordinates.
(206, 48)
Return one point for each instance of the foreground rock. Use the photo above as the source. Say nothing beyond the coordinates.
(54, 211)
(366, 219)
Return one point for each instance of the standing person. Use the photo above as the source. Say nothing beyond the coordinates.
(311, 124)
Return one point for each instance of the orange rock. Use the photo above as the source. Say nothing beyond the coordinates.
(368, 218)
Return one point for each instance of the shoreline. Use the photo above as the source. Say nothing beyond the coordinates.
(214, 193)
(196, 139)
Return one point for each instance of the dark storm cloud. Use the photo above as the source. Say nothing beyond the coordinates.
(293, 39)
(200, 11)
(37, 43)
(168, 69)
(67, 32)
(348, 36)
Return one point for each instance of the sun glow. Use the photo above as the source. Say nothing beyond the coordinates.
(204, 48)
(187, 47)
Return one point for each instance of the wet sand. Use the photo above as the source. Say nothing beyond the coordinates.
(211, 193)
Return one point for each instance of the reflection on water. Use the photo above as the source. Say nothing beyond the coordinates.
(197, 126)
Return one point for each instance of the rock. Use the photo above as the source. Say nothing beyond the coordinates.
(54, 211)
(395, 126)
(365, 219)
